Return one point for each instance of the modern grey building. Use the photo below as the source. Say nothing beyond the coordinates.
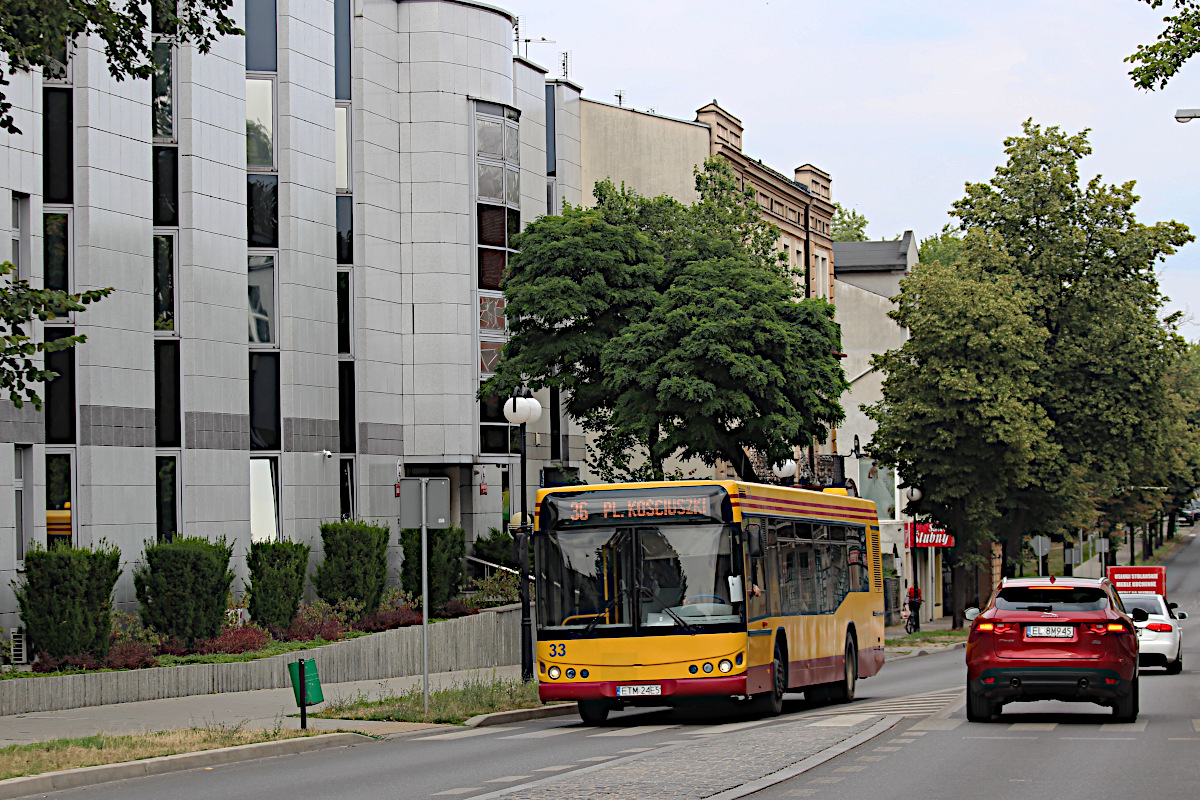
(305, 231)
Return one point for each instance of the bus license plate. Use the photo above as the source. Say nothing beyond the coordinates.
(639, 691)
(1049, 631)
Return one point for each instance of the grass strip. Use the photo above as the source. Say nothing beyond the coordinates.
(89, 751)
(928, 637)
(454, 704)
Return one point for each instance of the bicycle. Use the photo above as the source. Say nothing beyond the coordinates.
(910, 619)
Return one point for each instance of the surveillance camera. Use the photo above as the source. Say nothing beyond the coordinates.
(327, 454)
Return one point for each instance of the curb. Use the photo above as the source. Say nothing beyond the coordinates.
(813, 761)
(520, 715)
(923, 652)
(161, 765)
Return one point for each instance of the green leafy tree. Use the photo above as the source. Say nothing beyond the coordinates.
(1087, 264)
(355, 563)
(34, 33)
(848, 226)
(944, 247)
(1157, 63)
(635, 271)
(20, 305)
(65, 599)
(959, 416)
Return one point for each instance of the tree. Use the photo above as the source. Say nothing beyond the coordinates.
(945, 246)
(615, 304)
(35, 33)
(1088, 266)
(959, 416)
(848, 226)
(1157, 63)
(20, 304)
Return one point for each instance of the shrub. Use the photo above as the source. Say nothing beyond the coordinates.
(501, 589)
(72, 663)
(131, 654)
(66, 599)
(496, 547)
(236, 639)
(355, 563)
(320, 620)
(277, 574)
(172, 646)
(396, 610)
(457, 607)
(183, 587)
(447, 549)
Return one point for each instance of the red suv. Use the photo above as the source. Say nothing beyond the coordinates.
(1053, 639)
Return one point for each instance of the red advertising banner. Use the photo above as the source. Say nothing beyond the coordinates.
(1139, 580)
(926, 534)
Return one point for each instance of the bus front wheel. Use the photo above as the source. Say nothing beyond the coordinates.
(593, 712)
(770, 702)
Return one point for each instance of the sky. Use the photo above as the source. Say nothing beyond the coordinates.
(903, 102)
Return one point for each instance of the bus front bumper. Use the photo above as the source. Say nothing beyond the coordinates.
(719, 686)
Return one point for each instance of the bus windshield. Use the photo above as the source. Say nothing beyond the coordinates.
(652, 580)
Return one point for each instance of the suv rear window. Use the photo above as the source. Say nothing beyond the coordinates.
(1045, 598)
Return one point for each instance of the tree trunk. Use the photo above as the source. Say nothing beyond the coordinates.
(742, 463)
(1171, 524)
(958, 591)
(656, 459)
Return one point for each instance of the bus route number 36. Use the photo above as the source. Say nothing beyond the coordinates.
(579, 511)
(558, 650)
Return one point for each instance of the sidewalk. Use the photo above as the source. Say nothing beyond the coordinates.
(938, 624)
(262, 709)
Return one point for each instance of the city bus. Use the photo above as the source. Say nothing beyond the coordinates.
(650, 593)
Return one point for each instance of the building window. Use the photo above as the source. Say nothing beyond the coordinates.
(262, 210)
(58, 146)
(346, 481)
(345, 230)
(166, 497)
(22, 464)
(261, 38)
(56, 250)
(264, 401)
(264, 499)
(19, 255)
(166, 393)
(60, 392)
(166, 186)
(164, 282)
(496, 435)
(491, 315)
(341, 148)
(346, 424)
(162, 105)
(59, 509)
(343, 313)
(260, 292)
(341, 49)
(489, 356)
(260, 122)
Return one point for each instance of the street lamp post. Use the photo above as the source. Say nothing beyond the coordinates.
(521, 409)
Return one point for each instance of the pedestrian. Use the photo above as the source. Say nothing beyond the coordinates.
(914, 605)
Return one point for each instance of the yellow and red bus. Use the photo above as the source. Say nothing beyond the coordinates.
(649, 593)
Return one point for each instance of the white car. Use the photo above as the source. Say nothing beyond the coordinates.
(1160, 639)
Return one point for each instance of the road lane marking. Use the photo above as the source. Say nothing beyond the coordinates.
(1184, 739)
(638, 731)
(1001, 737)
(1125, 727)
(540, 734)
(901, 741)
(935, 725)
(827, 780)
(853, 768)
(556, 768)
(599, 758)
(459, 734)
(638, 750)
(1196, 725)
(871, 758)
(1099, 738)
(887, 749)
(509, 779)
(911, 732)
(463, 790)
(843, 721)
(729, 727)
(1033, 726)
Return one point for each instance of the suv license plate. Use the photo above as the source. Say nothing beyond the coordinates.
(638, 691)
(1049, 631)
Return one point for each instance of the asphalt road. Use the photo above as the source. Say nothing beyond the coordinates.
(1036, 751)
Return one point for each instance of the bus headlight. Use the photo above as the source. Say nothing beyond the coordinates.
(708, 667)
(554, 672)
(725, 665)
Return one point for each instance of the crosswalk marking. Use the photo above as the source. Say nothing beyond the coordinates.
(1125, 727)
(638, 731)
(1033, 726)
(460, 790)
(556, 768)
(916, 705)
(842, 721)
(730, 727)
(460, 734)
(542, 734)
(509, 779)
(935, 725)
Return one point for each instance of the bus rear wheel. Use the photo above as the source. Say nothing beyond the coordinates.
(843, 691)
(593, 712)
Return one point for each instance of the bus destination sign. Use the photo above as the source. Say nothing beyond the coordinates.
(615, 507)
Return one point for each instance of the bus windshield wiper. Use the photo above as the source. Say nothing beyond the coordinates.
(692, 629)
(591, 626)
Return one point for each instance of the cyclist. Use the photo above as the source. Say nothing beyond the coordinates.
(914, 606)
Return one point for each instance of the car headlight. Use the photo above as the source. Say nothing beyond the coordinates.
(554, 672)
(725, 665)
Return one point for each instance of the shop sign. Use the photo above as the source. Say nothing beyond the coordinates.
(926, 534)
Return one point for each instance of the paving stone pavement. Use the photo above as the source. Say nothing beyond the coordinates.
(697, 769)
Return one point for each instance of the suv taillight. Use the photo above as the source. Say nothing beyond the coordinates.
(1160, 627)
(1097, 629)
(1116, 627)
(996, 627)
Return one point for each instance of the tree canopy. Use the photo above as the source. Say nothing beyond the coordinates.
(35, 33)
(1157, 63)
(672, 330)
(848, 226)
(20, 304)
